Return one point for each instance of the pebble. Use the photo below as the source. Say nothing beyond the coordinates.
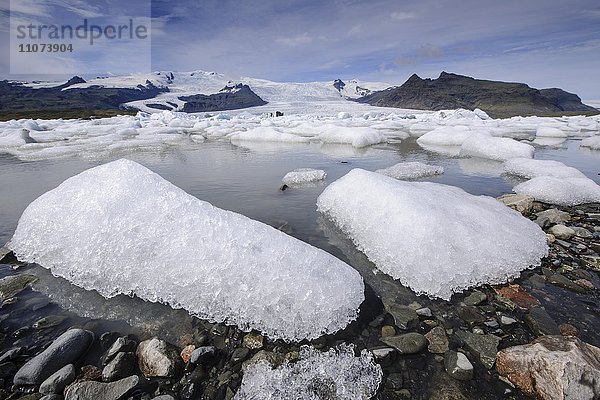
(121, 344)
(408, 343)
(458, 366)
(584, 283)
(562, 232)
(475, 298)
(404, 317)
(66, 349)
(540, 322)
(157, 358)
(48, 322)
(101, 391)
(554, 215)
(10, 286)
(388, 330)
(202, 354)
(484, 347)
(424, 312)
(382, 353)
(186, 353)
(57, 382)
(253, 341)
(438, 341)
(504, 320)
(566, 283)
(239, 354)
(121, 366)
(582, 232)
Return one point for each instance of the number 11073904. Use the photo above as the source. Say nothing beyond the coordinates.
(45, 48)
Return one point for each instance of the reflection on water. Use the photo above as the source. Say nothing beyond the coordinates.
(246, 178)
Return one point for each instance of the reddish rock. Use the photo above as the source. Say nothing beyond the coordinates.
(553, 368)
(518, 295)
(568, 330)
(186, 353)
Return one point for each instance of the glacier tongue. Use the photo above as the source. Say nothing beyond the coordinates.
(335, 374)
(436, 239)
(120, 228)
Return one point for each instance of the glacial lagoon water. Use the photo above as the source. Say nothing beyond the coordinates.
(247, 180)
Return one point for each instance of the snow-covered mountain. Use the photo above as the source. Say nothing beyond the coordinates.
(183, 84)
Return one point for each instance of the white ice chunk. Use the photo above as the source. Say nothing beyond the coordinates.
(304, 175)
(591, 142)
(562, 191)
(334, 374)
(550, 131)
(436, 239)
(495, 148)
(356, 136)
(446, 136)
(530, 168)
(267, 134)
(411, 170)
(120, 228)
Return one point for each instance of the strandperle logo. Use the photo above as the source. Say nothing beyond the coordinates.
(85, 31)
(73, 37)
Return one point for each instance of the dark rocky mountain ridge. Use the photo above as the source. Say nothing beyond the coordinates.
(498, 99)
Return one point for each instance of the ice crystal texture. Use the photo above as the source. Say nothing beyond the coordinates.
(304, 175)
(411, 170)
(436, 239)
(335, 374)
(120, 228)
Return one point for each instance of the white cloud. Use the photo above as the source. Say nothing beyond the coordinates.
(402, 15)
(294, 41)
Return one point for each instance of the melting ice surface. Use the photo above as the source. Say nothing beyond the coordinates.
(120, 228)
(411, 170)
(304, 175)
(335, 374)
(435, 239)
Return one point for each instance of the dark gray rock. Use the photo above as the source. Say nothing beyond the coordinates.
(540, 322)
(66, 349)
(239, 354)
(484, 347)
(404, 317)
(11, 354)
(7, 369)
(458, 366)
(202, 354)
(409, 343)
(123, 344)
(92, 390)
(475, 298)
(470, 315)
(121, 366)
(13, 285)
(48, 322)
(57, 382)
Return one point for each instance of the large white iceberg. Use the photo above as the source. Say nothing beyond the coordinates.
(411, 170)
(562, 191)
(446, 136)
(120, 228)
(356, 136)
(268, 134)
(334, 374)
(495, 148)
(436, 239)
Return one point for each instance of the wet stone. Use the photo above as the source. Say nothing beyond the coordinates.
(484, 347)
(101, 391)
(57, 382)
(564, 282)
(458, 366)
(404, 317)
(475, 298)
(438, 341)
(121, 366)
(408, 343)
(388, 330)
(540, 322)
(470, 315)
(239, 354)
(202, 354)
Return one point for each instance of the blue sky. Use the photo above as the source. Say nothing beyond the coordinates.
(543, 43)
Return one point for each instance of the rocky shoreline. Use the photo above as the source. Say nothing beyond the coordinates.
(484, 344)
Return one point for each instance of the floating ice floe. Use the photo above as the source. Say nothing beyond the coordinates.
(267, 134)
(411, 170)
(495, 148)
(446, 136)
(591, 142)
(530, 168)
(334, 374)
(304, 175)
(553, 182)
(567, 191)
(121, 229)
(550, 132)
(356, 136)
(436, 239)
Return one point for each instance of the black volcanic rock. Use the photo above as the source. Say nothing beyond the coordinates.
(15, 96)
(339, 84)
(231, 97)
(498, 99)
